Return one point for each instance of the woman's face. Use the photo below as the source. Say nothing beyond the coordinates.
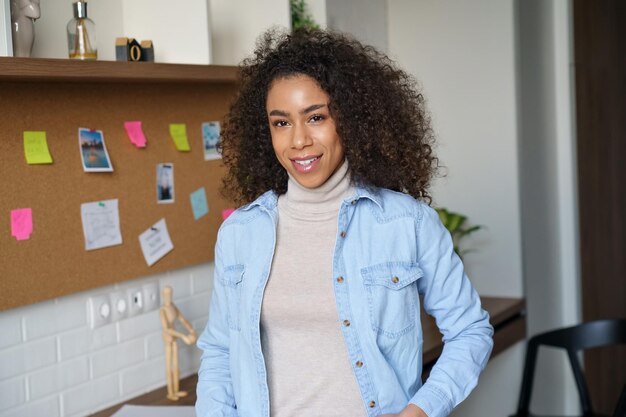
(303, 131)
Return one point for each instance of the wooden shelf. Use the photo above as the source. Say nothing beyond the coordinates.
(66, 70)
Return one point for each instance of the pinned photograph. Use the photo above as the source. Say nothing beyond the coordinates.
(210, 139)
(93, 151)
(165, 183)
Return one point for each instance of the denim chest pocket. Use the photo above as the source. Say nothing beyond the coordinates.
(392, 295)
(232, 280)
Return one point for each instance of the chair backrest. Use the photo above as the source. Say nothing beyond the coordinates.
(573, 339)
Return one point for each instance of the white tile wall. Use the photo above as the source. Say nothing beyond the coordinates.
(48, 407)
(12, 393)
(52, 364)
(11, 325)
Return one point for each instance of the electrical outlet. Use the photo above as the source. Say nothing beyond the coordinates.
(119, 305)
(151, 297)
(99, 311)
(135, 301)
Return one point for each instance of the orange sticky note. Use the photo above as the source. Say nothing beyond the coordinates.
(135, 133)
(21, 223)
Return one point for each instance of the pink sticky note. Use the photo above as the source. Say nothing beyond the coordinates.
(135, 134)
(227, 212)
(21, 223)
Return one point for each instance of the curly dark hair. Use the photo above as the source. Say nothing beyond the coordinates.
(379, 113)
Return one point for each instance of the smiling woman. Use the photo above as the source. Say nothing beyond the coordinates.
(303, 131)
(316, 299)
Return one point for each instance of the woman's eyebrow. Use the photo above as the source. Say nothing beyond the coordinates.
(311, 108)
(283, 113)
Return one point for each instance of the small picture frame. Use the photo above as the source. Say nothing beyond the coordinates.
(93, 151)
(165, 183)
(210, 140)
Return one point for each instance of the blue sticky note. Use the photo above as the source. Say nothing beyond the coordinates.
(199, 204)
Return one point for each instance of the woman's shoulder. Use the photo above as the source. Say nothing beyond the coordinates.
(394, 203)
(249, 212)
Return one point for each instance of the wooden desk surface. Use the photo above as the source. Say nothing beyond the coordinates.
(507, 317)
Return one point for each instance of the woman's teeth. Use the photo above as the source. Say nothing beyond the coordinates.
(306, 161)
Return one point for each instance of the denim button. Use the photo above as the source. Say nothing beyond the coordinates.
(340, 279)
(346, 323)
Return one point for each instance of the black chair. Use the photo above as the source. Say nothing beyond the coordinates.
(573, 339)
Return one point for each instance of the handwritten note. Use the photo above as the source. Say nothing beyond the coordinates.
(199, 205)
(36, 148)
(155, 242)
(21, 223)
(135, 133)
(101, 224)
(227, 212)
(178, 131)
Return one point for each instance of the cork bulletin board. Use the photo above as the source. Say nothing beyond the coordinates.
(53, 261)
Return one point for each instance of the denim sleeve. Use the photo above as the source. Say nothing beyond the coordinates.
(450, 298)
(214, 390)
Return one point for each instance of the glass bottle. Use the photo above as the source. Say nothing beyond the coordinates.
(81, 34)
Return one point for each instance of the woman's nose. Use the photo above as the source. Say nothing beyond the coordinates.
(300, 138)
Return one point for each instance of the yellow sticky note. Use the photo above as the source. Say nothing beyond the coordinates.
(178, 131)
(36, 148)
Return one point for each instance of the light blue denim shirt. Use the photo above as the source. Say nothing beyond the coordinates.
(389, 249)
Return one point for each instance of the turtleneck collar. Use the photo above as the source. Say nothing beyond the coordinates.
(302, 202)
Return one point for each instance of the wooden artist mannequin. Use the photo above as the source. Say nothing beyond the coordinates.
(169, 314)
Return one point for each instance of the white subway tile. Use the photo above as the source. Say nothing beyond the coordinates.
(140, 325)
(50, 318)
(144, 377)
(180, 282)
(57, 378)
(12, 393)
(154, 346)
(202, 277)
(189, 358)
(195, 307)
(48, 407)
(10, 328)
(200, 324)
(86, 340)
(117, 357)
(91, 396)
(23, 358)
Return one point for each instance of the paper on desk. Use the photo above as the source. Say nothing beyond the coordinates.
(178, 131)
(155, 411)
(36, 148)
(101, 224)
(155, 242)
(135, 133)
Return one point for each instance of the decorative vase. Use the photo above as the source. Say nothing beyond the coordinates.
(81, 34)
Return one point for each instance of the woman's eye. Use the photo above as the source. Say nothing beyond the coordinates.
(316, 118)
(280, 123)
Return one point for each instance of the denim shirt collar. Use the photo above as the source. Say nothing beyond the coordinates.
(269, 199)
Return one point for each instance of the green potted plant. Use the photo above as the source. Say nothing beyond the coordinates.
(300, 16)
(456, 224)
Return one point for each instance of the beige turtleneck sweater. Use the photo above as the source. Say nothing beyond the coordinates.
(309, 373)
